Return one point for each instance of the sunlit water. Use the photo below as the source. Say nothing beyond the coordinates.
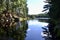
(34, 31)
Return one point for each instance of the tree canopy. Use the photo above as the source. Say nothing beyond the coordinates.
(54, 14)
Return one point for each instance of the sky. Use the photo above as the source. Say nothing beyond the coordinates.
(35, 6)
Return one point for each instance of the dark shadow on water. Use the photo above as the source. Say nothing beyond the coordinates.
(19, 31)
(48, 30)
(14, 32)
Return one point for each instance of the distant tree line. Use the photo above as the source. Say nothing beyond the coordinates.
(45, 15)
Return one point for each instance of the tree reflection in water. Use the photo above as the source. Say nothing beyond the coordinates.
(14, 32)
(47, 30)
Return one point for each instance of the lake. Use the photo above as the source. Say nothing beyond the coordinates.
(35, 31)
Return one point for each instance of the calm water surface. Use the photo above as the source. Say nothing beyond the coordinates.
(34, 31)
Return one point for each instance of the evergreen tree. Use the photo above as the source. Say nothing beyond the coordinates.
(54, 13)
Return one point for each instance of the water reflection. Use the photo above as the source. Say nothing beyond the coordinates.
(34, 30)
(15, 32)
(37, 31)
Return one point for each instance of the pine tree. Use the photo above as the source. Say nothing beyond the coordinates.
(54, 13)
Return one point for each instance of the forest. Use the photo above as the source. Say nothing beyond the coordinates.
(15, 12)
(54, 14)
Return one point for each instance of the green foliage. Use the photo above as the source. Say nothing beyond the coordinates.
(54, 13)
(20, 8)
(13, 5)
